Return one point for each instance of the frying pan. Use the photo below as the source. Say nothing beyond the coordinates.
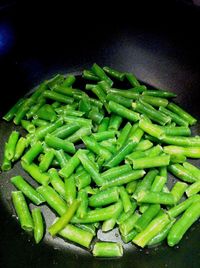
(159, 43)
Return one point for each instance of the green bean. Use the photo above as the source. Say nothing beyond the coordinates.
(19, 149)
(23, 109)
(39, 122)
(11, 145)
(38, 224)
(151, 129)
(28, 126)
(125, 215)
(89, 227)
(131, 187)
(162, 235)
(153, 114)
(152, 152)
(159, 93)
(97, 90)
(100, 214)
(146, 181)
(177, 158)
(6, 163)
(56, 182)
(149, 162)
(27, 190)
(95, 147)
(178, 209)
(182, 113)
(85, 105)
(154, 228)
(64, 90)
(37, 94)
(107, 249)
(41, 133)
(22, 210)
(123, 179)
(143, 145)
(115, 172)
(61, 157)
(64, 219)
(70, 189)
(178, 190)
(114, 122)
(77, 235)
(149, 214)
(104, 135)
(69, 80)
(11, 113)
(123, 111)
(114, 73)
(52, 95)
(119, 156)
(109, 145)
(109, 224)
(175, 117)
(123, 135)
(136, 133)
(154, 101)
(47, 113)
(105, 197)
(163, 172)
(80, 133)
(119, 99)
(58, 144)
(82, 179)
(158, 183)
(96, 102)
(89, 75)
(183, 224)
(46, 160)
(67, 170)
(53, 199)
(176, 131)
(132, 79)
(154, 197)
(32, 153)
(82, 209)
(55, 80)
(99, 72)
(65, 131)
(127, 238)
(125, 199)
(181, 141)
(103, 126)
(192, 169)
(192, 152)
(128, 94)
(35, 173)
(193, 189)
(88, 166)
(127, 226)
(180, 172)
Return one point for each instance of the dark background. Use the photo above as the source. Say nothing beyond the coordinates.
(157, 40)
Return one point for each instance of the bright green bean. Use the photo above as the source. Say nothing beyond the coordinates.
(27, 190)
(64, 219)
(38, 224)
(22, 210)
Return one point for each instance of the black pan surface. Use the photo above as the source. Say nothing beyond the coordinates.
(163, 52)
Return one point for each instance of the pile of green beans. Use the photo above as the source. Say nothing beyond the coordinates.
(100, 156)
